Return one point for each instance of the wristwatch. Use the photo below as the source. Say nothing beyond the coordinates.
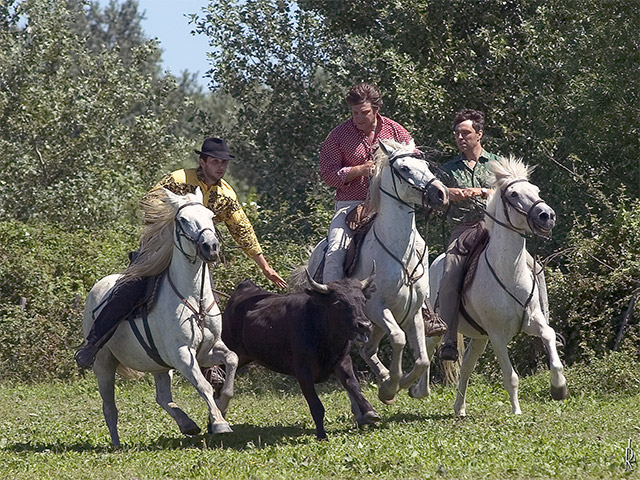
(484, 192)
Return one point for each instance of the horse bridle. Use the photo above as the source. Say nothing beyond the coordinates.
(201, 312)
(527, 213)
(182, 233)
(506, 203)
(395, 173)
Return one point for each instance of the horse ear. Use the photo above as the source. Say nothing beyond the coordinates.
(170, 197)
(199, 196)
(384, 148)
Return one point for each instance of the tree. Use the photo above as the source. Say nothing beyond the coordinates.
(87, 126)
(557, 80)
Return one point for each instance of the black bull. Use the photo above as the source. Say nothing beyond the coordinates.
(304, 334)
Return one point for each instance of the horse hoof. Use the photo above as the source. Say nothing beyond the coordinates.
(190, 429)
(417, 392)
(559, 393)
(386, 400)
(219, 428)
(368, 418)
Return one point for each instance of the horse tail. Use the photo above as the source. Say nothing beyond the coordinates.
(129, 373)
(297, 278)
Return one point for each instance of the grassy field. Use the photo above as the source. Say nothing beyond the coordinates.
(56, 430)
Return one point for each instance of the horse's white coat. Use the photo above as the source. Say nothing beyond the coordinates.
(175, 330)
(394, 308)
(488, 303)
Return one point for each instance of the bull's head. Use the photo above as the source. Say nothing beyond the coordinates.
(345, 300)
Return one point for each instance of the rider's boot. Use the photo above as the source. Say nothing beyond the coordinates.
(123, 299)
(449, 303)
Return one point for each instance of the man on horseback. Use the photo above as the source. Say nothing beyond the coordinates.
(469, 175)
(346, 163)
(220, 198)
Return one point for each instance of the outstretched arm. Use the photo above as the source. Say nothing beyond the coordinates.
(269, 272)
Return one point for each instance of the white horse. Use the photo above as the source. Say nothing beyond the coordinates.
(504, 298)
(182, 330)
(402, 181)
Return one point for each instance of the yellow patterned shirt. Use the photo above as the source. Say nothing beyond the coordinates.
(221, 200)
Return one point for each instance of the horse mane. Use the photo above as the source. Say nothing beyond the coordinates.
(156, 243)
(505, 170)
(382, 160)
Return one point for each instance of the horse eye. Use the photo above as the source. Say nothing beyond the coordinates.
(514, 194)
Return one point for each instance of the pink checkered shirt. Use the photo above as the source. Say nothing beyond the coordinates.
(347, 146)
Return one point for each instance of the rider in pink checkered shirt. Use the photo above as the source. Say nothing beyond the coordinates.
(346, 163)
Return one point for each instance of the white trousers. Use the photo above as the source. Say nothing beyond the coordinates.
(338, 240)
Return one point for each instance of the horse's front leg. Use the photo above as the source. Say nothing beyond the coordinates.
(369, 352)
(538, 327)
(416, 338)
(187, 365)
(384, 319)
(220, 353)
(475, 348)
(509, 375)
(165, 400)
(360, 406)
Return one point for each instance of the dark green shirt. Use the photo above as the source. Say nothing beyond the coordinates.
(461, 176)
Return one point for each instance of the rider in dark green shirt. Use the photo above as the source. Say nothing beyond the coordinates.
(468, 189)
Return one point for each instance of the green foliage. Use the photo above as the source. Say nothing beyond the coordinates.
(86, 127)
(45, 274)
(593, 289)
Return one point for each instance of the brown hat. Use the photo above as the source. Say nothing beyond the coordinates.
(215, 147)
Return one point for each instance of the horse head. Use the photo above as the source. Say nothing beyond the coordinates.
(523, 208)
(194, 233)
(408, 177)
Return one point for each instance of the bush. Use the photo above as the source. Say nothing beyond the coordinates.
(45, 274)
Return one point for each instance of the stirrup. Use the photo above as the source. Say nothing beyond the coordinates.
(85, 356)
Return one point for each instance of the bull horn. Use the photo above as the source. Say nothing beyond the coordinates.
(367, 281)
(318, 287)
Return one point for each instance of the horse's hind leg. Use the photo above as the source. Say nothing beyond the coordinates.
(165, 400)
(509, 375)
(475, 348)
(187, 365)
(541, 329)
(105, 370)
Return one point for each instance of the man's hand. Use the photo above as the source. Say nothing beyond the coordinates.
(272, 275)
(461, 194)
(269, 272)
(367, 169)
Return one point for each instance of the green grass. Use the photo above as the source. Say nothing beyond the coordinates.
(56, 430)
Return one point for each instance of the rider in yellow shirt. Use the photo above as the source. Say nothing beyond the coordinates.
(220, 198)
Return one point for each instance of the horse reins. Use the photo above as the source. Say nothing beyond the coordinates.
(201, 312)
(527, 213)
(411, 278)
